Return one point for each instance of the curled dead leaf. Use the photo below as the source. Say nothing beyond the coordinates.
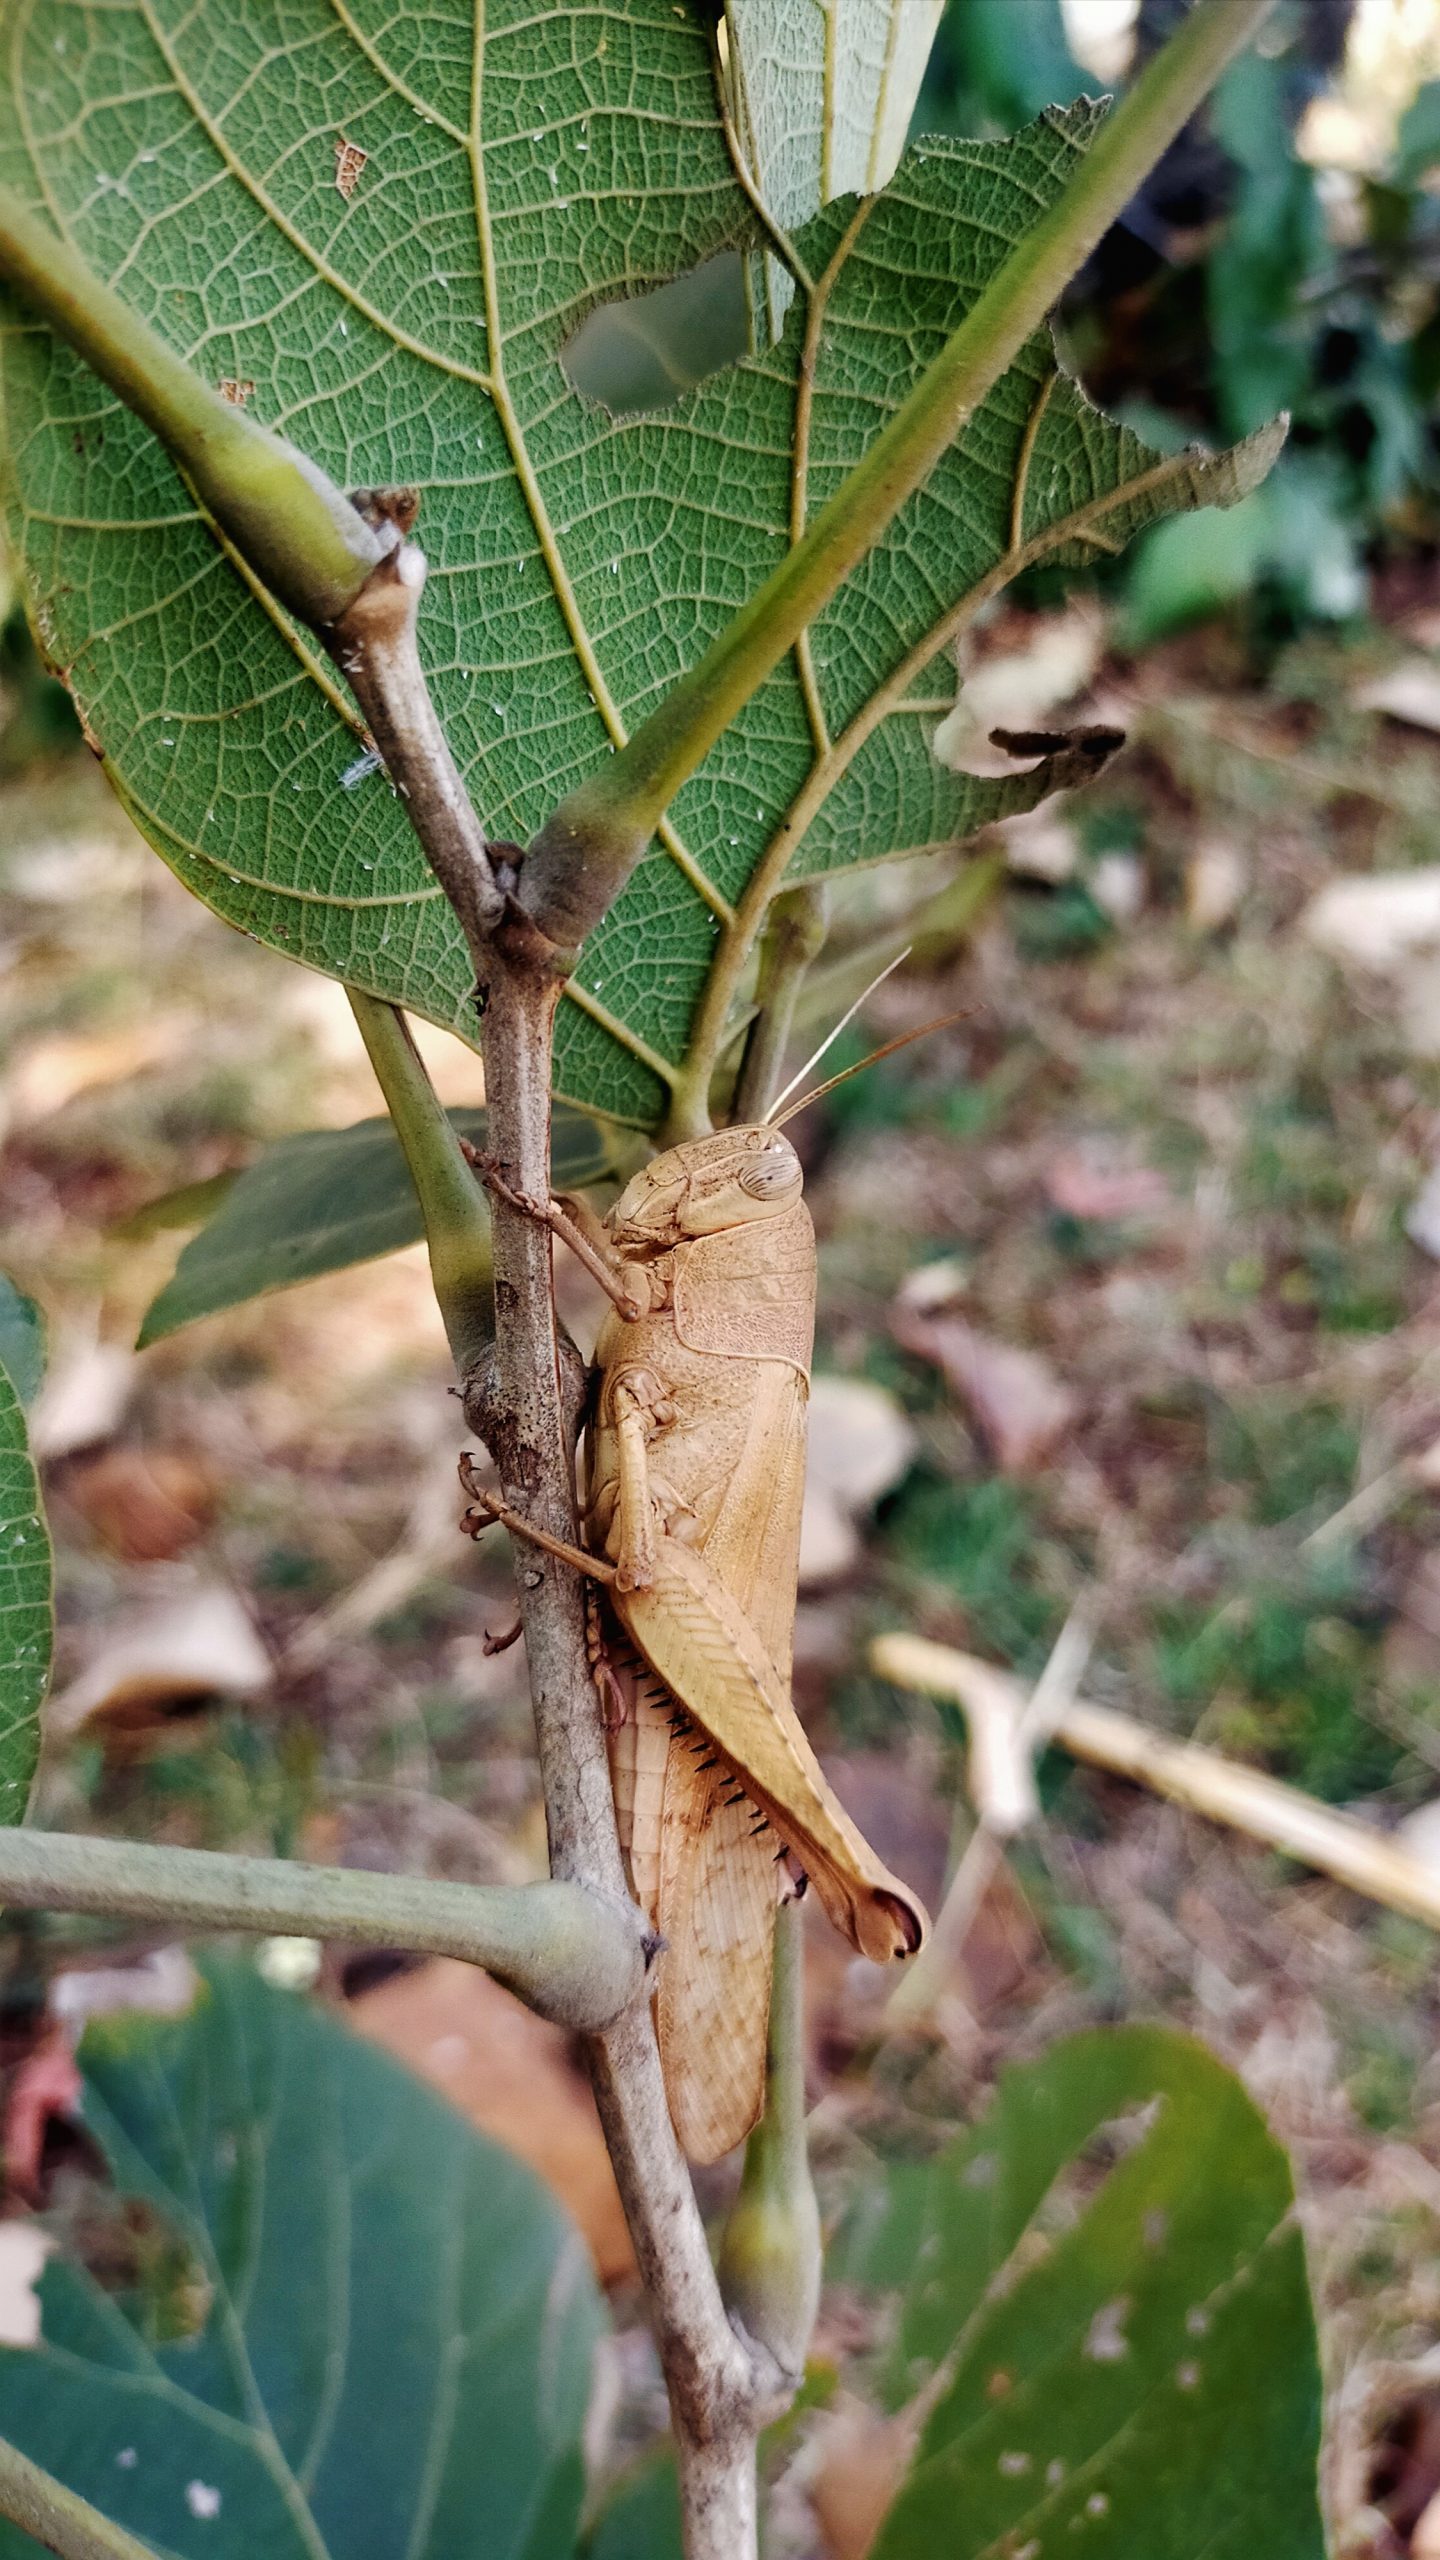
(146, 1505)
(1083, 1185)
(187, 1647)
(862, 2459)
(1022, 1408)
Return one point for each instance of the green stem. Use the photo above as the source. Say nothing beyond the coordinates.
(57, 2519)
(793, 939)
(568, 1952)
(771, 2250)
(312, 548)
(931, 936)
(589, 846)
(457, 1221)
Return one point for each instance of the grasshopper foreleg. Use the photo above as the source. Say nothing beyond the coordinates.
(577, 1226)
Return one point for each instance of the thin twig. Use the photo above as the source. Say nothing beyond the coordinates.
(59, 2520)
(721, 2389)
(1008, 1730)
(375, 645)
(1315, 1835)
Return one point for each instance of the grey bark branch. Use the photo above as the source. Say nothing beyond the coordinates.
(374, 643)
(721, 2390)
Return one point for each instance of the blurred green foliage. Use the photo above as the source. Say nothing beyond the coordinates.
(1242, 281)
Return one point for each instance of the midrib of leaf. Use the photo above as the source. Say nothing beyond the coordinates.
(818, 297)
(338, 2196)
(712, 1020)
(538, 511)
(1040, 2384)
(228, 2303)
(442, 2423)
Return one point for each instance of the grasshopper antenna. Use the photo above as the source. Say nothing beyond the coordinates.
(782, 1109)
(773, 1115)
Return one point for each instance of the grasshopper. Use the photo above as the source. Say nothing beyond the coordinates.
(693, 1476)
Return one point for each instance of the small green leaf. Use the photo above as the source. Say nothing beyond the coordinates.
(188, 1205)
(322, 1201)
(1129, 2370)
(22, 1340)
(26, 1619)
(376, 2330)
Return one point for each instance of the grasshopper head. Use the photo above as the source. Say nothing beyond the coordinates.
(727, 1180)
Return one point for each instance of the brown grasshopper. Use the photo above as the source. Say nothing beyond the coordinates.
(694, 1470)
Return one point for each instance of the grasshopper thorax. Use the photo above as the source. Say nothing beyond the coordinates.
(730, 1179)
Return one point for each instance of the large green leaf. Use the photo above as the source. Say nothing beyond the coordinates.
(26, 1623)
(322, 1201)
(391, 2326)
(520, 170)
(1125, 2369)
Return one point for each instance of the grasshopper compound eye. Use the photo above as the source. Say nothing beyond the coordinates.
(772, 1171)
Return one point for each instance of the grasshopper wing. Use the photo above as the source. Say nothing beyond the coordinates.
(692, 1631)
(703, 1866)
(719, 1885)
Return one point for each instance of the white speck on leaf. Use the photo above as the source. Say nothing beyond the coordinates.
(126, 2458)
(1107, 2342)
(1187, 2375)
(1097, 2504)
(202, 2500)
(1014, 2466)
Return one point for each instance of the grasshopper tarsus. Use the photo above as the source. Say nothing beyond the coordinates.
(502, 1643)
(488, 1508)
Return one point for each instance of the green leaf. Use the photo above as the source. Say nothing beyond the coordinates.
(1127, 2370)
(412, 332)
(640, 2520)
(26, 1617)
(1417, 145)
(355, 2327)
(322, 1201)
(22, 1340)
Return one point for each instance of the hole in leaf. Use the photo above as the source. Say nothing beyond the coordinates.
(648, 352)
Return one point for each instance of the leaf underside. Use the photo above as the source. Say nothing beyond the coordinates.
(358, 2329)
(322, 1201)
(518, 171)
(26, 1623)
(1127, 2370)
